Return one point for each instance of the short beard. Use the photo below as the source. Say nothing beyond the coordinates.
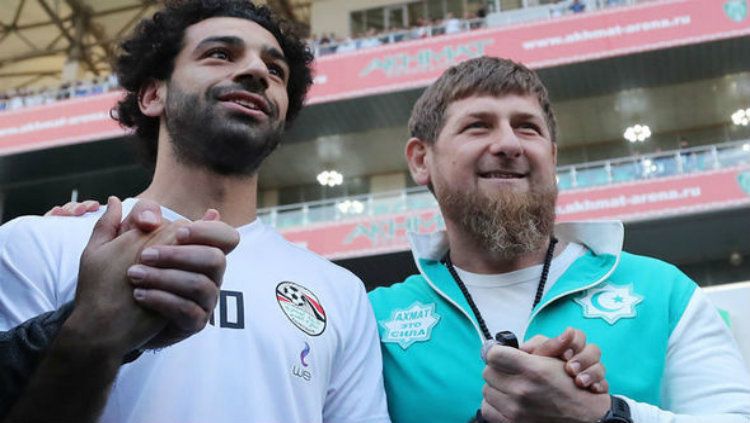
(510, 225)
(226, 146)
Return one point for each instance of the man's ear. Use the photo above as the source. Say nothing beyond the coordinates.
(152, 97)
(418, 158)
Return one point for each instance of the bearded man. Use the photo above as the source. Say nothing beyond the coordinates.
(484, 142)
(210, 86)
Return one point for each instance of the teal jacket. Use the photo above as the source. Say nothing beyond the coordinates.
(626, 304)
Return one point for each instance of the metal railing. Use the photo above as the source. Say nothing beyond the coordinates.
(18, 99)
(586, 175)
(416, 33)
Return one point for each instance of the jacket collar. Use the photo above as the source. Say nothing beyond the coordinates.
(604, 240)
(599, 236)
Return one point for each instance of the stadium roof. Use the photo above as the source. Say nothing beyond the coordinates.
(37, 37)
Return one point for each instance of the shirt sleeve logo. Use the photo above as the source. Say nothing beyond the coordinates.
(301, 307)
(609, 302)
(410, 325)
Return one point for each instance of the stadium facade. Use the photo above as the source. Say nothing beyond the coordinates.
(680, 67)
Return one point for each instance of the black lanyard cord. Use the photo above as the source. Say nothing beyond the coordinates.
(470, 300)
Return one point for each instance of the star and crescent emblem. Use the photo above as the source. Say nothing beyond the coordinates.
(609, 302)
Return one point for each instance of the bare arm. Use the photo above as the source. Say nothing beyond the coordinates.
(72, 380)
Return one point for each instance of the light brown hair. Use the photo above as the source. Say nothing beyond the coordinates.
(480, 76)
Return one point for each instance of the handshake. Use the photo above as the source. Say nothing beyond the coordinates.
(144, 282)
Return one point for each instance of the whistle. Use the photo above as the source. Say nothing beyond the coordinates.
(505, 338)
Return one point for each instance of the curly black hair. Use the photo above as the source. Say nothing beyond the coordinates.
(149, 54)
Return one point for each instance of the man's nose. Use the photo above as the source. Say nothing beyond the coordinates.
(253, 74)
(506, 143)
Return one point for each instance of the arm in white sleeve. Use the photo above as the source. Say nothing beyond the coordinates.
(27, 282)
(705, 378)
(355, 392)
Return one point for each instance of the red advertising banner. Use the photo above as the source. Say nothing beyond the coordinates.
(569, 39)
(629, 202)
(67, 122)
(399, 66)
(664, 196)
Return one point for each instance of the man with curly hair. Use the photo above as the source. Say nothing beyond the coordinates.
(210, 86)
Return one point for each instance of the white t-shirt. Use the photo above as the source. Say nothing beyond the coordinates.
(505, 300)
(293, 338)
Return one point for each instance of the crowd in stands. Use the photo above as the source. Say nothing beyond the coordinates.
(25, 97)
(324, 45)
(331, 43)
(320, 45)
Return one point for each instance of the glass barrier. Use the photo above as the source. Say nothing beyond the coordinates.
(587, 175)
(625, 171)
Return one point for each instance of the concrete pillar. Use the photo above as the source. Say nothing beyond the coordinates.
(269, 198)
(388, 182)
(71, 70)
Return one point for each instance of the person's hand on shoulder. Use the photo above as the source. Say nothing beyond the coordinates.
(74, 208)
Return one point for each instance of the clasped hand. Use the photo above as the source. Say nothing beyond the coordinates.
(145, 283)
(546, 380)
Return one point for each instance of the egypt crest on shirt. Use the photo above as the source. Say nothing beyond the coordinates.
(301, 307)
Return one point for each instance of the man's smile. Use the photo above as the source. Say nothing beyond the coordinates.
(247, 103)
(501, 174)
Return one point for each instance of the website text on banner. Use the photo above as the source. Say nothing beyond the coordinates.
(570, 39)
